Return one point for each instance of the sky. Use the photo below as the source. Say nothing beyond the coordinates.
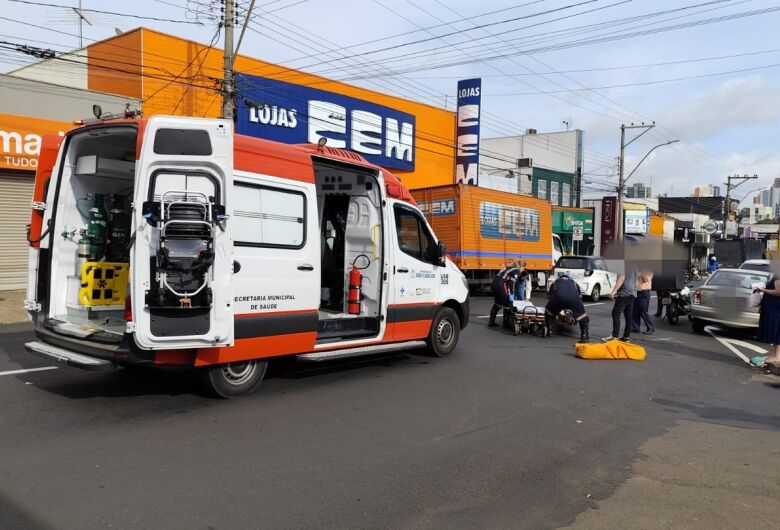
(705, 73)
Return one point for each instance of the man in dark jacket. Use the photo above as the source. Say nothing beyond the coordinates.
(565, 294)
(503, 288)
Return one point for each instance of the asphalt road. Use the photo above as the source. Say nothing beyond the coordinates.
(507, 432)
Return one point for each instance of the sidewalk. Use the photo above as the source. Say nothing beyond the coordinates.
(12, 307)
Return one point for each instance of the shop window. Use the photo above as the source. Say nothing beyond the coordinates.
(554, 196)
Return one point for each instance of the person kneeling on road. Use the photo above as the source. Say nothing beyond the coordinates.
(503, 287)
(565, 294)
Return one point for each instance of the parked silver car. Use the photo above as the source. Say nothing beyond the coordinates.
(723, 299)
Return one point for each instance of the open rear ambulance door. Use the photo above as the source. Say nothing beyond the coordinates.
(182, 257)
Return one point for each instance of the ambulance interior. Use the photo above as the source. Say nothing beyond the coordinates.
(91, 235)
(349, 204)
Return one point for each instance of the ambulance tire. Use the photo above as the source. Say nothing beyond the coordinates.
(232, 380)
(444, 333)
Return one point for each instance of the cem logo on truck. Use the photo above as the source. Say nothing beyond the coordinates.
(437, 208)
(294, 114)
(499, 221)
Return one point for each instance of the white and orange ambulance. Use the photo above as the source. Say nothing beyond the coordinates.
(173, 241)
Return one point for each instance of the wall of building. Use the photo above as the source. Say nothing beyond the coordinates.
(163, 93)
(556, 157)
(69, 70)
(546, 183)
(30, 109)
(36, 99)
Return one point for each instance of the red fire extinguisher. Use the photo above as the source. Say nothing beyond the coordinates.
(355, 284)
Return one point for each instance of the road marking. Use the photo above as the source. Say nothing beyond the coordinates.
(14, 372)
(484, 316)
(732, 344)
(595, 303)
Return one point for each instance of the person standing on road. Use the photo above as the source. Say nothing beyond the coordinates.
(624, 294)
(769, 319)
(642, 304)
(522, 277)
(565, 294)
(503, 288)
(713, 264)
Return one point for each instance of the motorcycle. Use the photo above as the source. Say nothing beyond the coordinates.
(692, 273)
(677, 304)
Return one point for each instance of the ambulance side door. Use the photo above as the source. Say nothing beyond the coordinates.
(414, 285)
(277, 264)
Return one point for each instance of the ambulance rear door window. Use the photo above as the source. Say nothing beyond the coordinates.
(188, 142)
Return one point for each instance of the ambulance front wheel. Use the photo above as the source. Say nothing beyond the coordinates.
(445, 330)
(233, 379)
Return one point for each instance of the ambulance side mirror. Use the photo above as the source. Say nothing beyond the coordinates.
(151, 212)
(441, 254)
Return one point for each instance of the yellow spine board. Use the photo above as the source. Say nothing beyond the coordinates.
(103, 283)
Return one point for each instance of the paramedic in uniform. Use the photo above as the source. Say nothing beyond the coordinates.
(503, 288)
(565, 294)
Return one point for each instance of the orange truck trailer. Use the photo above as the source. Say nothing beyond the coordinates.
(484, 229)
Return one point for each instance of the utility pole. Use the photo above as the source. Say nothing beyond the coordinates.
(727, 205)
(621, 170)
(227, 84)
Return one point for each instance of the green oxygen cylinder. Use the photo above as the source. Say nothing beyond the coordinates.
(83, 252)
(118, 235)
(96, 231)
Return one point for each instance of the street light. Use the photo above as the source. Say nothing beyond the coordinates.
(622, 186)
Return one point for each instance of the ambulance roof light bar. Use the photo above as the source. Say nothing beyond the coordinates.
(97, 110)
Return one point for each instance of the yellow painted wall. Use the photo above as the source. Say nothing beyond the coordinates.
(178, 78)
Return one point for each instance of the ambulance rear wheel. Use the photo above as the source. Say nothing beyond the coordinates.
(236, 379)
(445, 330)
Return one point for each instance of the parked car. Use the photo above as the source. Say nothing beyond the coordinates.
(723, 299)
(756, 265)
(589, 272)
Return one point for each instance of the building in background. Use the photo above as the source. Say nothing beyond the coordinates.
(639, 191)
(548, 166)
(710, 190)
(761, 213)
(564, 221)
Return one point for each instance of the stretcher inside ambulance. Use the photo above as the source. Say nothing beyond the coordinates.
(172, 241)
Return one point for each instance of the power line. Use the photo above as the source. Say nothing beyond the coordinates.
(638, 83)
(142, 17)
(611, 68)
(599, 39)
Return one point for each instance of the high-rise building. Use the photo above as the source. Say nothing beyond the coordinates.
(768, 197)
(639, 191)
(710, 190)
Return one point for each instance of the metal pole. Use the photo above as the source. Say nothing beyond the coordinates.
(621, 184)
(227, 86)
(726, 208)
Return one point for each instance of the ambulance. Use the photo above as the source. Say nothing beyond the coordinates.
(172, 241)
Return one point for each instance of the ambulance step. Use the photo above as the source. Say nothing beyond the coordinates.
(61, 355)
(362, 350)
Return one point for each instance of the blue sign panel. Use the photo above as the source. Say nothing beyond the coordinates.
(276, 110)
(467, 157)
(499, 221)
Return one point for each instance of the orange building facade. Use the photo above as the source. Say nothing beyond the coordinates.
(175, 76)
